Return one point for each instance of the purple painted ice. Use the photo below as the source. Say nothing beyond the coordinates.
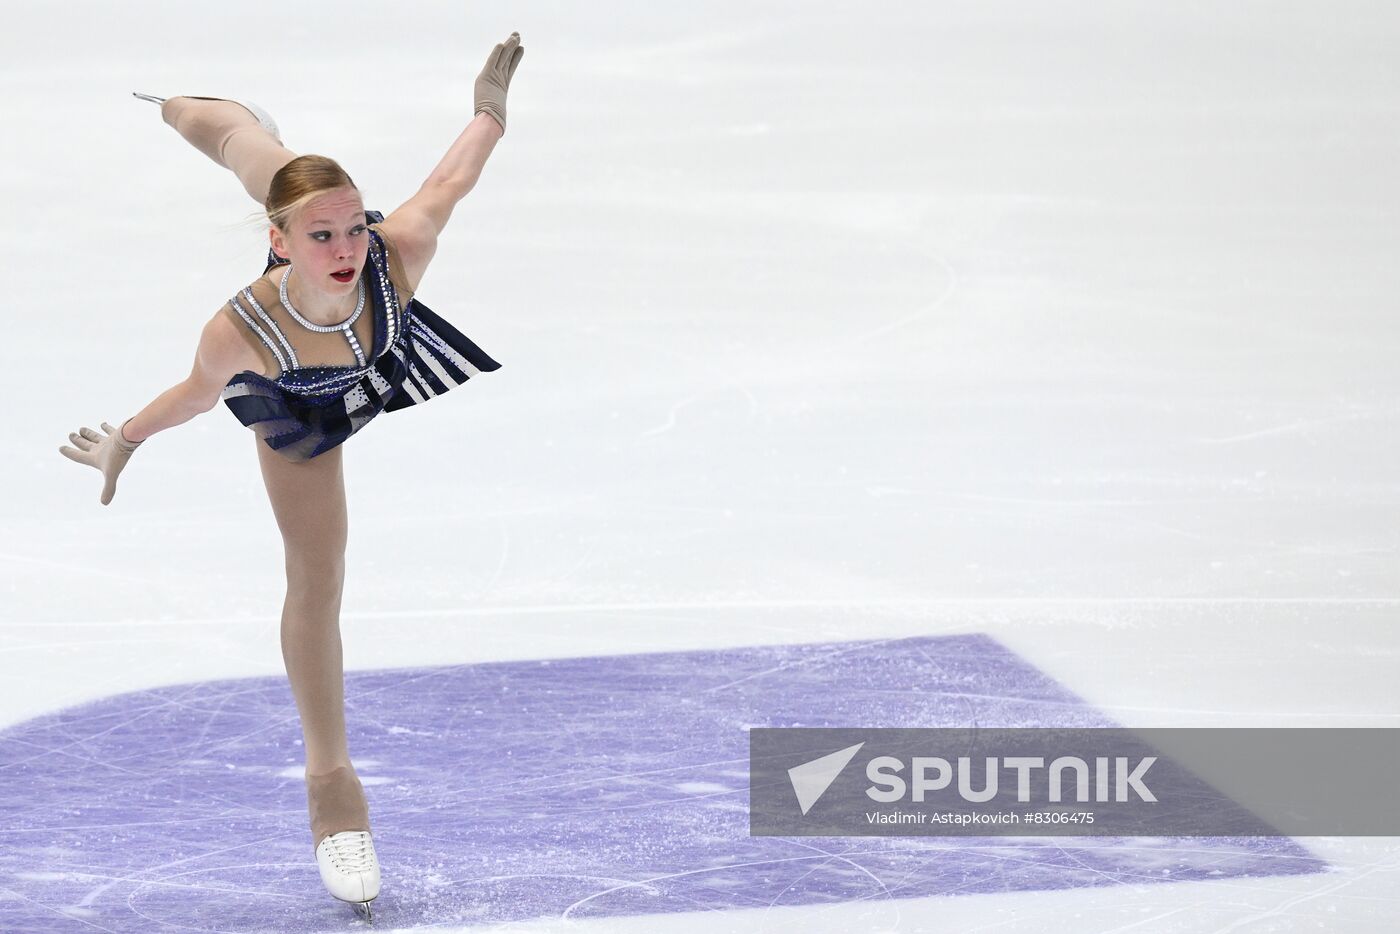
(580, 787)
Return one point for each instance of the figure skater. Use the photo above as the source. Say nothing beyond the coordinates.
(298, 360)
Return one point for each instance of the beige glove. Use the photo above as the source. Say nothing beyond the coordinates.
(108, 454)
(494, 79)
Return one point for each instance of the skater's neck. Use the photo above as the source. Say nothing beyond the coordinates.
(316, 305)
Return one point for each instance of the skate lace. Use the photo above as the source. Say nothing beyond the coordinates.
(352, 852)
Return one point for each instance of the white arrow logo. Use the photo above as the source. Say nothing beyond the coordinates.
(810, 780)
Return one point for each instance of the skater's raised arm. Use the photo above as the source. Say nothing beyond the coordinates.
(222, 353)
(414, 227)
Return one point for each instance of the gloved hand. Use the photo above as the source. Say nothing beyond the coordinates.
(108, 454)
(494, 79)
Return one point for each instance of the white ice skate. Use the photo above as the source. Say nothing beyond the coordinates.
(350, 869)
(264, 118)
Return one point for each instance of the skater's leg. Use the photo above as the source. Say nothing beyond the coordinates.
(308, 500)
(232, 137)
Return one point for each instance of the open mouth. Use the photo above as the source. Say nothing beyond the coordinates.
(345, 275)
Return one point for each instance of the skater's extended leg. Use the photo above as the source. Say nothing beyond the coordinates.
(232, 137)
(308, 500)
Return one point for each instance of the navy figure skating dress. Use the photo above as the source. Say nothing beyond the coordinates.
(328, 384)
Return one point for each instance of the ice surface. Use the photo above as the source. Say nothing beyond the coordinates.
(514, 791)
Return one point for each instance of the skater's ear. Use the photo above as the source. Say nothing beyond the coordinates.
(278, 241)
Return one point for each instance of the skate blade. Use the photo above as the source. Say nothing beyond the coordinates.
(364, 910)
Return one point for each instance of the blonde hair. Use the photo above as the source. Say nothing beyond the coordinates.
(300, 180)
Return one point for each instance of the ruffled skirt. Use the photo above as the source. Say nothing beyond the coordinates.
(308, 411)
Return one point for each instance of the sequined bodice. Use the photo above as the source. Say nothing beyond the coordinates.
(382, 328)
(414, 355)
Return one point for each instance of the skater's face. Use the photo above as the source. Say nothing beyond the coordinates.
(326, 238)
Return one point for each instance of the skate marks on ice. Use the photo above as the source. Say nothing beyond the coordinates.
(579, 788)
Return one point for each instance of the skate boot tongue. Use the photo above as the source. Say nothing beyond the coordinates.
(349, 867)
(350, 850)
(336, 802)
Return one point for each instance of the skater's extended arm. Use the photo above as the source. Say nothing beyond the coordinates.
(415, 226)
(222, 353)
(430, 209)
